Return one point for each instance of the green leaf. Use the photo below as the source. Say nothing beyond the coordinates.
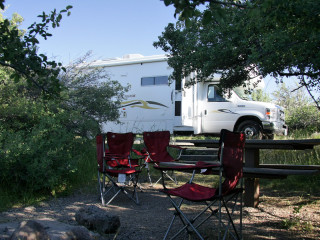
(167, 2)
(44, 57)
(207, 17)
(59, 18)
(188, 22)
(34, 41)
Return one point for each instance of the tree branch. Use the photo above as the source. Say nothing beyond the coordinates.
(311, 95)
(294, 74)
(24, 74)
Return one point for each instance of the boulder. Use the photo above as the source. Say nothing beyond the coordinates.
(30, 230)
(97, 219)
(79, 233)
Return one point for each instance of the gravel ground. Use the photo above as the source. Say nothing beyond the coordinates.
(285, 217)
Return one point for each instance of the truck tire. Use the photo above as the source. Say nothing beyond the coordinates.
(251, 129)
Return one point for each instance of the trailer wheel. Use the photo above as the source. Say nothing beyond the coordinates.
(251, 129)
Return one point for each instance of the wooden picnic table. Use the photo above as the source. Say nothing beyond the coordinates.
(253, 170)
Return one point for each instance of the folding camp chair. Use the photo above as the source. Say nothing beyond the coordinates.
(157, 148)
(216, 199)
(117, 171)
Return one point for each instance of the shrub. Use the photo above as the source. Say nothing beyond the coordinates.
(40, 159)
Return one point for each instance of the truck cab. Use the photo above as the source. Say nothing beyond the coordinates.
(211, 111)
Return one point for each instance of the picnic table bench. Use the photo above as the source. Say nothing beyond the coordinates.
(253, 170)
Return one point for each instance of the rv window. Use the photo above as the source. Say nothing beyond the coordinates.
(161, 80)
(213, 96)
(147, 81)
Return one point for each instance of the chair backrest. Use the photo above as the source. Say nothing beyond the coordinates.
(232, 152)
(157, 145)
(99, 141)
(119, 145)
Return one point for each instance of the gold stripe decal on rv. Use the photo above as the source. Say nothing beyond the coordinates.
(142, 104)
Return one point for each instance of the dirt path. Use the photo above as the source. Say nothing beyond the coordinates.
(288, 217)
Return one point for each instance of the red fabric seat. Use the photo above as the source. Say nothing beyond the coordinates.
(192, 192)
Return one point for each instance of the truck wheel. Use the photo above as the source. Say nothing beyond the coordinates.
(251, 129)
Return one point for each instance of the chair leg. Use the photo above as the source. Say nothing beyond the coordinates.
(148, 173)
(133, 195)
(102, 187)
(134, 179)
(184, 219)
(237, 233)
(174, 179)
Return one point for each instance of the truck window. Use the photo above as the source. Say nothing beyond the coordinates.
(148, 81)
(213, 96)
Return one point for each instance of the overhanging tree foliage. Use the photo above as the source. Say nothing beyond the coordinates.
(19, 52)
(244, 39)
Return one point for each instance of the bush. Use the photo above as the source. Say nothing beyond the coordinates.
(41, 139)
(304, 117)
(38, 160)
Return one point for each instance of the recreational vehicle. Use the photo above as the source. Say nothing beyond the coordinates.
(152, 104)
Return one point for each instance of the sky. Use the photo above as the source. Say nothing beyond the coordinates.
(108, 28)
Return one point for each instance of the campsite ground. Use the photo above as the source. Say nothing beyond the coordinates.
(278, 216)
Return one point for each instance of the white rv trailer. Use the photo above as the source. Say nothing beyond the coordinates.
(153, 105)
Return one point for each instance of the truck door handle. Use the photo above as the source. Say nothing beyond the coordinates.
(205, 112)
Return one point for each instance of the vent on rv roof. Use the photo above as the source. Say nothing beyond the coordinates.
(131, 56)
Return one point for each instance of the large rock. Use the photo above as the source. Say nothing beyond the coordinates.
(97, 219)
(30, 230)
(56, 230)
(79, 233)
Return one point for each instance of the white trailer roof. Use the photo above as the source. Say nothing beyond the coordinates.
(129, 59)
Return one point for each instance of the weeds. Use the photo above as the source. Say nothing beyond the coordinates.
(295, 222)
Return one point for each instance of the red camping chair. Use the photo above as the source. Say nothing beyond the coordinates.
(216, 199)
(157, 146)
(116, 169)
